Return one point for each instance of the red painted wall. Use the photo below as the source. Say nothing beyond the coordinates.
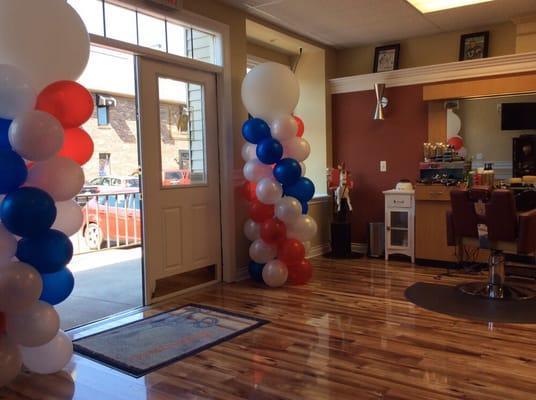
(362, 142)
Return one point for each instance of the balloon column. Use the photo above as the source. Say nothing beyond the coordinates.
(277, 190)
(44, 46)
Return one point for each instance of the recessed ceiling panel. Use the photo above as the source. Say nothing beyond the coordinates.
(345, 23)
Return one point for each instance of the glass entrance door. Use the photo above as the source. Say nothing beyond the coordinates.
(178, 128)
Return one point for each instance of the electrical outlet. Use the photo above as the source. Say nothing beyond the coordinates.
(383, 166)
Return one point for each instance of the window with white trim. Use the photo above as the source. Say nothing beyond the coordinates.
(137, 27)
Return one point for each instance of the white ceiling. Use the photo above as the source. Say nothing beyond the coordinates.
(346, 23)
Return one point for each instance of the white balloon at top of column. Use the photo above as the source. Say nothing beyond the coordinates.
(46, 39)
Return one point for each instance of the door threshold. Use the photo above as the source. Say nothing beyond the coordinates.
(131, 315)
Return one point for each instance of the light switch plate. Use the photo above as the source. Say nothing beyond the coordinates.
(383, 166)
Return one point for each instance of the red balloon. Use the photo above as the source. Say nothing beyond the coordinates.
(2, 323)
(301, 126)
(456, 142)
(300, 273)
(68, 101)
(273, 231)
(249, 191)
(291, 251)
(77, 145)
(260, 212)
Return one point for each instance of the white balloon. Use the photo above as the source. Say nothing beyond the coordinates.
(249, 151)
(34, 326)
(262, 252)
(297, 148)
(268, 191)
(46, 39)
(10, 360)
(269, 90)
(252, 230)
(17, 95)
(36, 135)
(288, 209)
(49, 358)
(462, 152)
(275, 273)
(8, 246)
(69, 217)
(284, 127)
(254, 170)
(20, 287)
(303, 168)
(61, 177)
(454, 124)
(303, 229)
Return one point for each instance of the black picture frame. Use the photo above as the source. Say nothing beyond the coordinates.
(474, 46)
(386, 58)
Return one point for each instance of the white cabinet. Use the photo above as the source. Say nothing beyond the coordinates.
(400, 223)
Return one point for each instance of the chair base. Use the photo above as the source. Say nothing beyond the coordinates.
(496, 292)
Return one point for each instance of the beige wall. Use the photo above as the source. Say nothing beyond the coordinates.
(481, 128)
(526, 34)
(427, 50)
(311, 74)
(254, 49)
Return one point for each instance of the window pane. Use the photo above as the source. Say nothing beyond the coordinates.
(182, 134)
(152, 32)
(201, 46)
(120, 23)
(91, 13)
(176, 39)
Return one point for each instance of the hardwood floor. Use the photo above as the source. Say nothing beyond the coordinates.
(349, 334)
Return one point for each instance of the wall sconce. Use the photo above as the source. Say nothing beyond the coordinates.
(381, 101)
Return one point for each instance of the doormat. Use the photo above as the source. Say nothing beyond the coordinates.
(143, 346)
(450, 300)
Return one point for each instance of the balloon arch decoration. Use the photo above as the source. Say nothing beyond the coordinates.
(276, 188)
(44, 47)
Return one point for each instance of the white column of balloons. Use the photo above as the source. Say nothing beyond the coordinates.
(276, 187)
(42, 148)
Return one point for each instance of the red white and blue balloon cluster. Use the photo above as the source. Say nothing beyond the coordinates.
(278, 191)
(44, 47)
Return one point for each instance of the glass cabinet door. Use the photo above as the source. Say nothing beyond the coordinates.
(398, 228)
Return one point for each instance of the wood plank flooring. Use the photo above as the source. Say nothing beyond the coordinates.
(349, 334)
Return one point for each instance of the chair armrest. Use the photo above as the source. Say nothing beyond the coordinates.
(526, 242)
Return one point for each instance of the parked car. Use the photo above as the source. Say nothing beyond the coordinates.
(110, 184)
(171, 177)
(113, 218)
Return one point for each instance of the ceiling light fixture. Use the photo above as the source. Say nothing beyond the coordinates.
(428, 6)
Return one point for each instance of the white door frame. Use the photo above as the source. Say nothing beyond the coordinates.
(225, 121)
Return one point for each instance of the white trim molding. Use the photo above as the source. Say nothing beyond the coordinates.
(502, 65)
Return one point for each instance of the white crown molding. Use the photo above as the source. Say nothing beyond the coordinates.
(515, 63)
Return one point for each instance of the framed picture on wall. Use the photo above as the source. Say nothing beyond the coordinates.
(386, 58)
(474, 45)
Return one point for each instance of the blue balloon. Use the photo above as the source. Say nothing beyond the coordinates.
(47, 253)
(28, 211)
(57, 286)
(255, 130)
(13, 171)
(305, 207)
(303, 189)
(255, 271)
(287, 171)
(269, 151)
(4, 138)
